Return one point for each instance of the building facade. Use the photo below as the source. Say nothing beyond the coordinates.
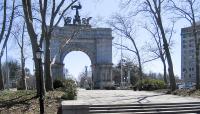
(188, 62)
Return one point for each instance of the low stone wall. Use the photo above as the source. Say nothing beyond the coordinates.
(74, 107)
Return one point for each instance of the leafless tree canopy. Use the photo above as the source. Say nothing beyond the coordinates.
(154, 11)
(125, 28)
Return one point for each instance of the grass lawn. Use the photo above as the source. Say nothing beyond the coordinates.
(25, 102)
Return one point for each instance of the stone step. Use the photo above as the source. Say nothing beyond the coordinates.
(147, 108)
(153, 112)
(140, 106)
(148, 104)
(144, 107)
(145, 112)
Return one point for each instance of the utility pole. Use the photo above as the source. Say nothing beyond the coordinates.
(121, 66)
(129, 77)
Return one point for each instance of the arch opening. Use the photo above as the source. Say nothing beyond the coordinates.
(77, 63)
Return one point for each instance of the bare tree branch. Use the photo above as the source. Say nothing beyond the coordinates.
(150, 60)
(124, 26)
(125, 47)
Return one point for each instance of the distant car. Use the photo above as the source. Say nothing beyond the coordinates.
(186, 86)
(181, 86)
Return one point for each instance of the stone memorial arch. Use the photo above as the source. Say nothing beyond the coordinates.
(80, 36)
(95, 42)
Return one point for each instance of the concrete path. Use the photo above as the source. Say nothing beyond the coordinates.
(129, 97)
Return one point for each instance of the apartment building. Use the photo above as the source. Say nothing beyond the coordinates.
(188, 62)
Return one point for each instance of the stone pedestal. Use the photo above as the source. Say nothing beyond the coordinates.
(57, 71)
(102, 76)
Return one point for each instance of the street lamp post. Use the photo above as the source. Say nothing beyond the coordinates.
(41, 97)
(129, 76)
(121, 70)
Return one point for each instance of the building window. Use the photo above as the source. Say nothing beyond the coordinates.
(184, 69)
(190, 75)
(190, 34)
(183, 36)
(191, 40)
(192, 68)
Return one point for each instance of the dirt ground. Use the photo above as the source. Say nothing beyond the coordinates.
(25, 102)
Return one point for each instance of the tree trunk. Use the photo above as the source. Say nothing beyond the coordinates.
(140, 69)
(164, 67)
(139, 59)
(1, 77)
(157, 15)
(169, 60)
(33, 37)
(166, 48)
(1, 37)
(165, 73)
(6, 40)
(4, 21)
(23, 78)
(47, 73)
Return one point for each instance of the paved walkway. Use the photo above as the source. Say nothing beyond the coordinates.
(129, 97)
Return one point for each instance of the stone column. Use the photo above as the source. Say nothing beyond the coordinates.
(102, 76)
(57, 71)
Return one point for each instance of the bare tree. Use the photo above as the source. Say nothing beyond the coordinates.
(5, 33)
(46, 34)
(158, 49)
(155, 10)
(189, 10)
(27, 7)
(20, 43)
(125, 27)
(46, 31)
(1, 37)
